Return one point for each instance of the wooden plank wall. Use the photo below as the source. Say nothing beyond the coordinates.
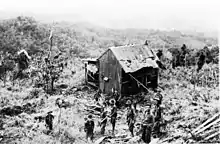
(109, 67)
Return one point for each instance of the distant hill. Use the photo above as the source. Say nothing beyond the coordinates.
(89, 38)
(187, 27)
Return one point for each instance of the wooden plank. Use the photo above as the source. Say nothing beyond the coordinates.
(208, 132)
(139, 82)
(209, 120)
(204, 128)
(211, 136)
(92, 84)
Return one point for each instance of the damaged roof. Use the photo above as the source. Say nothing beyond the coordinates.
(135, 57)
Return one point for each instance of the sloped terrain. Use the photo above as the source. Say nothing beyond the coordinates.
(23, 110)
(189, 98)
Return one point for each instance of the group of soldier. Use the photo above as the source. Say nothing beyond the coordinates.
(148, 126)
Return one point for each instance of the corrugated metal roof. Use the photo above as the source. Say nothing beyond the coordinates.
(135, 57)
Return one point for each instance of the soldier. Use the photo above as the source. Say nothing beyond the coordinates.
(147, 126)
(49, 121)
(89, 128)
(201, 60)
(158, 97)
(137, 129)
(130, 117)
(103, 120)
(183, 55)
(157, 118)
(116, 96)
(159, 54)
(113, 114)
(146, 42)
(23, 58)
(97, 95)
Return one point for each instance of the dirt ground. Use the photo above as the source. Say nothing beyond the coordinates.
(182, 112)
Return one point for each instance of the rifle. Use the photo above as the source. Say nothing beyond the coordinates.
(99, 123)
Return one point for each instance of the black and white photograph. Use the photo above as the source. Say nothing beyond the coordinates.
(109, 72)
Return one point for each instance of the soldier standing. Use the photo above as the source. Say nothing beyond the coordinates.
(158, 97)
(103, 120)
(89, 128)
(147, 126)
(97, 95)
(49, 121)
(113, 114)
(116, 96)
(130, 117)
(157, 117)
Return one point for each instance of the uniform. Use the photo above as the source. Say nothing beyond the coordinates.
(157, 119)
(116, 96)
(103, 121)
(158, 98)
(137, 129)
(113, 117)
(97, 95)
(49, 120)
(147, 127)
(23, 58)
(113, 114)
(131, 119)
(89, 128)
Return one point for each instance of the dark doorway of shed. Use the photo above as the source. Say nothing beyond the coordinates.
(151, 81)
(130, 86)
(142, 80)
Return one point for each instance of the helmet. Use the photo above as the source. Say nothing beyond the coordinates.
(112, 101)
(147, 110)
(128, 102)
(137, 124)
(148, 104)
(156, 98)
(89, 116)
(162, 106)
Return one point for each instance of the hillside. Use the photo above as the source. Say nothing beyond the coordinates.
(190, 98)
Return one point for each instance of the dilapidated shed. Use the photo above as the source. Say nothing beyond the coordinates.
(129, 69)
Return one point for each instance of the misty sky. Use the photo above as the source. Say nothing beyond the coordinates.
(163, 14)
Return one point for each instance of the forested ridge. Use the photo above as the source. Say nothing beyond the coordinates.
(86, 39)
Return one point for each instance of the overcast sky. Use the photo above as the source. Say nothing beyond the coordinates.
(169, 14)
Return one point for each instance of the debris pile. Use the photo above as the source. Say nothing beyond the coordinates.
(188, 117)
